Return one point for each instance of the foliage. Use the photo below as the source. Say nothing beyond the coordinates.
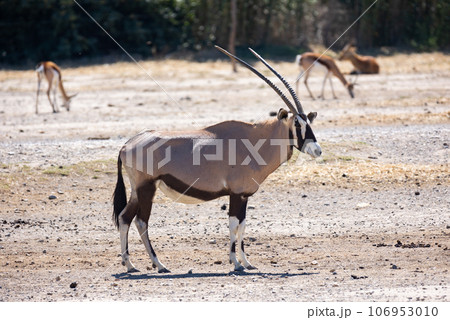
(35, 30)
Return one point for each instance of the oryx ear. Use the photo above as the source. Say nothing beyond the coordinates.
(282, 114)
(312, 116)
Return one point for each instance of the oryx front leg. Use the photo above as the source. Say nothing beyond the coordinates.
(238, 207)
(142, 227)
(241, 251)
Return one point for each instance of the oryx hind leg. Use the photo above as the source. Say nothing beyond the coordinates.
(145, 196)
(125, 218)
(238, 207)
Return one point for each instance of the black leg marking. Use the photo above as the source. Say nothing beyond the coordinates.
(233, 247)
(238, 207)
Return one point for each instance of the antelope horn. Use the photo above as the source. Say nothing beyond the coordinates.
(286, 84)
(274, 87)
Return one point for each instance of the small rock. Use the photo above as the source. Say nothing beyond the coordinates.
(212, 241)
(190, 271)
(58, 278)
(356, 277)
(417, 193)
(44, 251)
(60, 192)
(272, 113)
(394, 267)
(223, 207)
(73, 285)
(314, 262)
(251, 207)
(218, 262)
(52, 197)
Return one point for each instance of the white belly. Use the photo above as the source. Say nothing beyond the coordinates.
(176, 196)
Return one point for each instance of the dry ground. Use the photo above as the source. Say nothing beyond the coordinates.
(368, 221)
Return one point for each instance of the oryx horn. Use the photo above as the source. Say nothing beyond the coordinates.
(286, 84)
(273, 86)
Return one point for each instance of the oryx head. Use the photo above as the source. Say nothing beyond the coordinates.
(305, 141)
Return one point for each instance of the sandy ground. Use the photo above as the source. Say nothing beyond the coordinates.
(368, 221)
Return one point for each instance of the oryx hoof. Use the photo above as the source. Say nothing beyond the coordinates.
(164, 270)
(132, 270)
(250, 267)
(239, 269)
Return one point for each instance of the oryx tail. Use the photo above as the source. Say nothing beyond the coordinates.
(120, 195)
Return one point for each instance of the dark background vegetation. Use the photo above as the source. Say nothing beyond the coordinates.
(36, 30)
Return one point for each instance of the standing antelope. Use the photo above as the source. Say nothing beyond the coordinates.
(310, 60)
(53, 75)
(362, 64)
(237, 158)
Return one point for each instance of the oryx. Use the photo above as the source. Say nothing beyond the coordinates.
(231, 158)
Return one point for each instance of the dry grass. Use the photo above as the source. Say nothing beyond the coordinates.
(389, 119)
(349, 173)
(399, 63)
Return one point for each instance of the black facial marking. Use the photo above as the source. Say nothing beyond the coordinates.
(309, 135)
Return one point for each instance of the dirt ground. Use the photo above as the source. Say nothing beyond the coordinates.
(368, 221)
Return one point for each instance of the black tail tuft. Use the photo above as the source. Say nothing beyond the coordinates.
(120, 195)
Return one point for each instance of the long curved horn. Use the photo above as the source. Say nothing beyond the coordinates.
(274, 87)
(286, 84)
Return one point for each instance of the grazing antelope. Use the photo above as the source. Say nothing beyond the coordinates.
(310, 60)
(362, 64)
(237, 158)
(53, 75)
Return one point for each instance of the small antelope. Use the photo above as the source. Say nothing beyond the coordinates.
(362, 64)
(310, 60)
(53, 75)
(237, 158)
